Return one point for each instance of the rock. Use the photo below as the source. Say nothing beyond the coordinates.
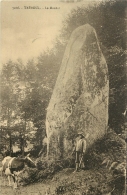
(80, 98)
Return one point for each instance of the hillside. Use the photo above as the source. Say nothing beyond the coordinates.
(104, 173)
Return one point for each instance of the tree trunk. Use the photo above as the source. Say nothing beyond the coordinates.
(23, 141)
(9, 130)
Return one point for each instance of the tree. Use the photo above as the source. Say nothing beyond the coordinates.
(36, 97)
(11, 94)
(25, 94)
(8, 95)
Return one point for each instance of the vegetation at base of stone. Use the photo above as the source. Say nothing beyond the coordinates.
(104, 172)
(45, 170)
(90, 184)
(110, 147)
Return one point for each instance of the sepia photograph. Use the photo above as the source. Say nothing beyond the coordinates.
(63, 97)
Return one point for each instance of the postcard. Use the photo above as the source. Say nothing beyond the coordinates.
(63, 113)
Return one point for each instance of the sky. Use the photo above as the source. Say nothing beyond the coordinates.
(25, 33)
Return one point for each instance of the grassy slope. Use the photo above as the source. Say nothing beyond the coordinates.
(97, 179)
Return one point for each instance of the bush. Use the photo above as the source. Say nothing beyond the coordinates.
(111, 146)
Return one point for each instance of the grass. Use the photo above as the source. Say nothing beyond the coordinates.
(97, 179)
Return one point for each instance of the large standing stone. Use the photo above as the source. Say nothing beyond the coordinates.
(80, 97)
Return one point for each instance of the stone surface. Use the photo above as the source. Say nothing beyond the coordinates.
(80, 98)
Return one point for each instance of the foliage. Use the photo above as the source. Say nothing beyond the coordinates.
(111, 146)
(10, 95)
(24, 92)
(96, 179)
(28, 176)
(45, 170)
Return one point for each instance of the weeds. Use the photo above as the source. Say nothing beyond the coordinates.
(105, 171)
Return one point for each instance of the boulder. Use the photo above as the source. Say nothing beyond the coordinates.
(80, 98)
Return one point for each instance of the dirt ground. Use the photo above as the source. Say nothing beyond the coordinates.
(66, 182)
(32, 189)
